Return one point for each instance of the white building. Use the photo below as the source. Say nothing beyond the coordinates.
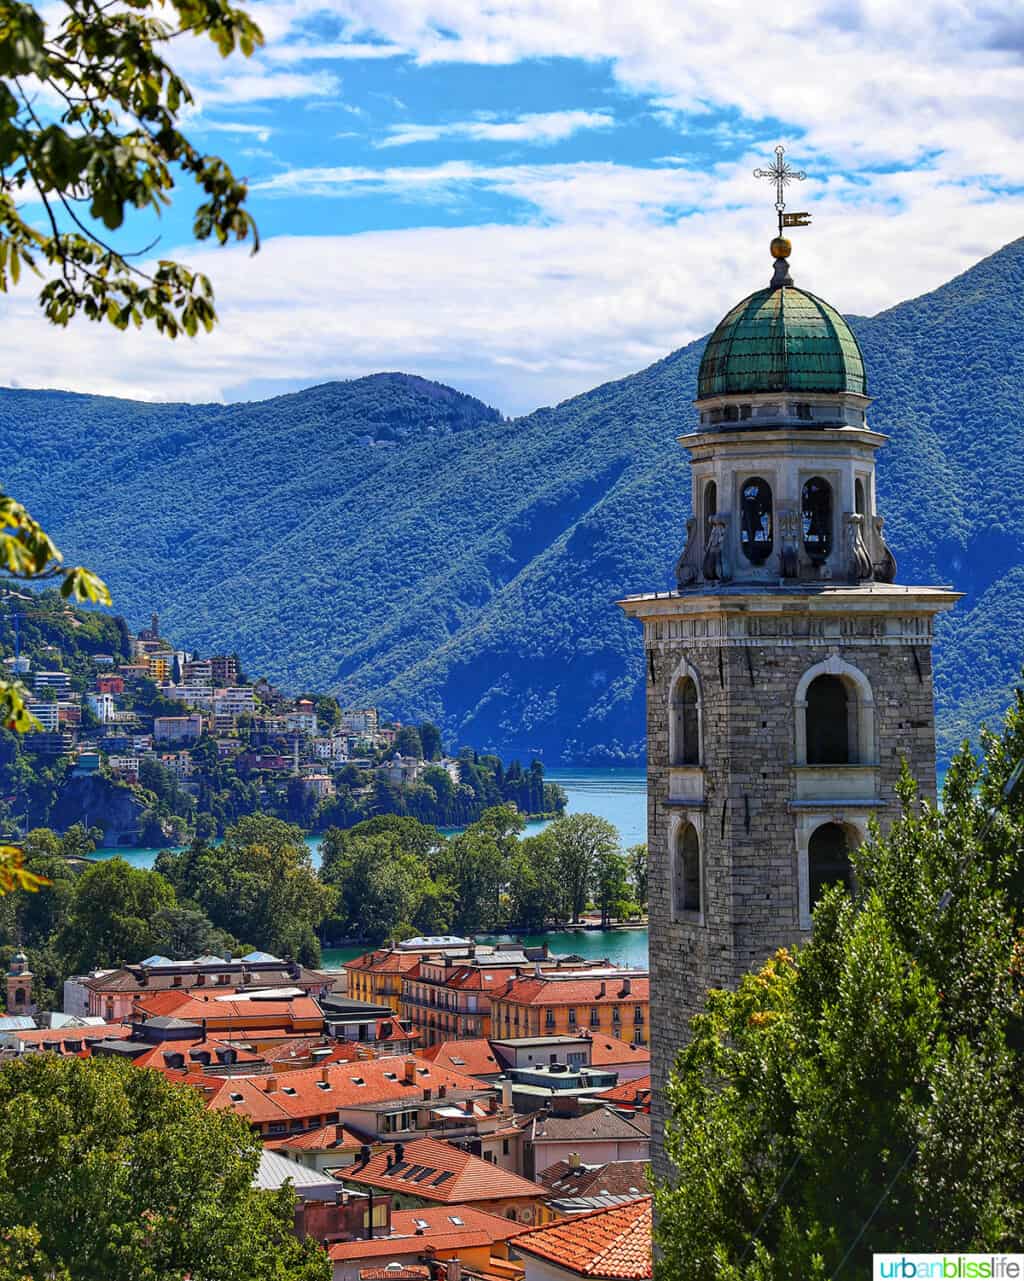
(47, 714)
(359, 720)
(102, 705)
(236, 701)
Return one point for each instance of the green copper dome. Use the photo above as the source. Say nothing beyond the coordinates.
(781, 339)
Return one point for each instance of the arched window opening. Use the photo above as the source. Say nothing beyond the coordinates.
(817, 519)
(860, 501)
(828, 861)
(756, 534)
(688, 896)
(685, 723)
(710, 507)
(828, 722)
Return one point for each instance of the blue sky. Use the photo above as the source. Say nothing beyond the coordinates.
(527, 198)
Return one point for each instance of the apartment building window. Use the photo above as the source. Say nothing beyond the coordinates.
(572, 1018)
(595, 1016)
(549, 1018)
(638, 1014)
(616, 1014)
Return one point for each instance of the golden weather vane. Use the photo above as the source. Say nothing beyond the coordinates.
(782, 174)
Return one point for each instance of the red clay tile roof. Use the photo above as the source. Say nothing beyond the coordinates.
(616, 1178)
(324, 1138)
(384, 961)
(578, 991)
(437, 1171)
(186, 1005)
(613, 1243)
(447, 1227)
(632, 1093)
(158, 1056)
(312, 1092)
(473, 1056)
(606, 1051)
(54, 1035)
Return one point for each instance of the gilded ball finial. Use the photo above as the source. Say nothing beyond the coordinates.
(780, 247)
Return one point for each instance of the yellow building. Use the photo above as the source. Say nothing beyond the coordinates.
(377, 976)
(616, 1005)
(160, 667)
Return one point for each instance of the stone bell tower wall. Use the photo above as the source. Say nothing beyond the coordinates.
(752, 804)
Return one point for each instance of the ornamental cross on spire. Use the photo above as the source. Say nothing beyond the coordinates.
(782, 174)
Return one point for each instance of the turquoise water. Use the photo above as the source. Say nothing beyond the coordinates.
(619, 795)
(622, 947)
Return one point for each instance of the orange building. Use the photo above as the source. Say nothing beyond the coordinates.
(548, 1005)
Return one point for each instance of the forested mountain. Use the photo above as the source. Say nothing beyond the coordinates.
(398, 541)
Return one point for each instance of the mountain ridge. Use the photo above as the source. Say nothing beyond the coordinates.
(401, 541)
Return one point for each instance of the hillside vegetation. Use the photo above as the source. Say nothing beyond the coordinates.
(399, 541)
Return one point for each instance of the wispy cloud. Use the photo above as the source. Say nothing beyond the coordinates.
(540, 128)
(262, 133)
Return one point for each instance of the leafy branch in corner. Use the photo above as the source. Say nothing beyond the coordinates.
(89, 117)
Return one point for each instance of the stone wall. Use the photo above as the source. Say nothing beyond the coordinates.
(748, 822)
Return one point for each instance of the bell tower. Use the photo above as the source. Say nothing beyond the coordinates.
(788, 675)
(19, 986)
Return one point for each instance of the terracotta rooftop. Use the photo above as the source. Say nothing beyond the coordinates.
(614, 1243)
(384, 961)
(437, 1171)
(312, 1092)
(576, 991)
(447, 1227)
(55, 1035)
(630, 1093)
(615, 1178)
(323, 1139)
(606, 1051)
(473, 1056)
(195, 1007)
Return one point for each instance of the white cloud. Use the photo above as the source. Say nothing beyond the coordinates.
(262, 133)
(541, 127)
(519, 315)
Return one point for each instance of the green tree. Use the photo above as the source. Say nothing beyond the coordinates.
(863, 1094)
(183, 932)
(611, 884)
(535, 893)
(110, 918)
(581, 840)
(109, 1171)
(637, 857)
(430, 739)
(407, 743)
(381, 883)
(258, 885)
(110, 144)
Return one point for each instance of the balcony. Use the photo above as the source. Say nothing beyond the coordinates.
(685, 785)
(843, 784)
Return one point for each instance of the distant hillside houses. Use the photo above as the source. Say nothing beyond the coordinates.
(194, 735)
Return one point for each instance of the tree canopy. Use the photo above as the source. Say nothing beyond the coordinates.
(108, 1170)
(863, 1094)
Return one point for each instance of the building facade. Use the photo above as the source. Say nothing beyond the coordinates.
(789, 677)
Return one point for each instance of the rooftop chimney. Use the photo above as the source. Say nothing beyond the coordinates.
(325, 1074)
(410, 1071)
(602, 988)
(271, 1085)
(399, 1152)
(627, 986)
(574, 1160)
(538, 973)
